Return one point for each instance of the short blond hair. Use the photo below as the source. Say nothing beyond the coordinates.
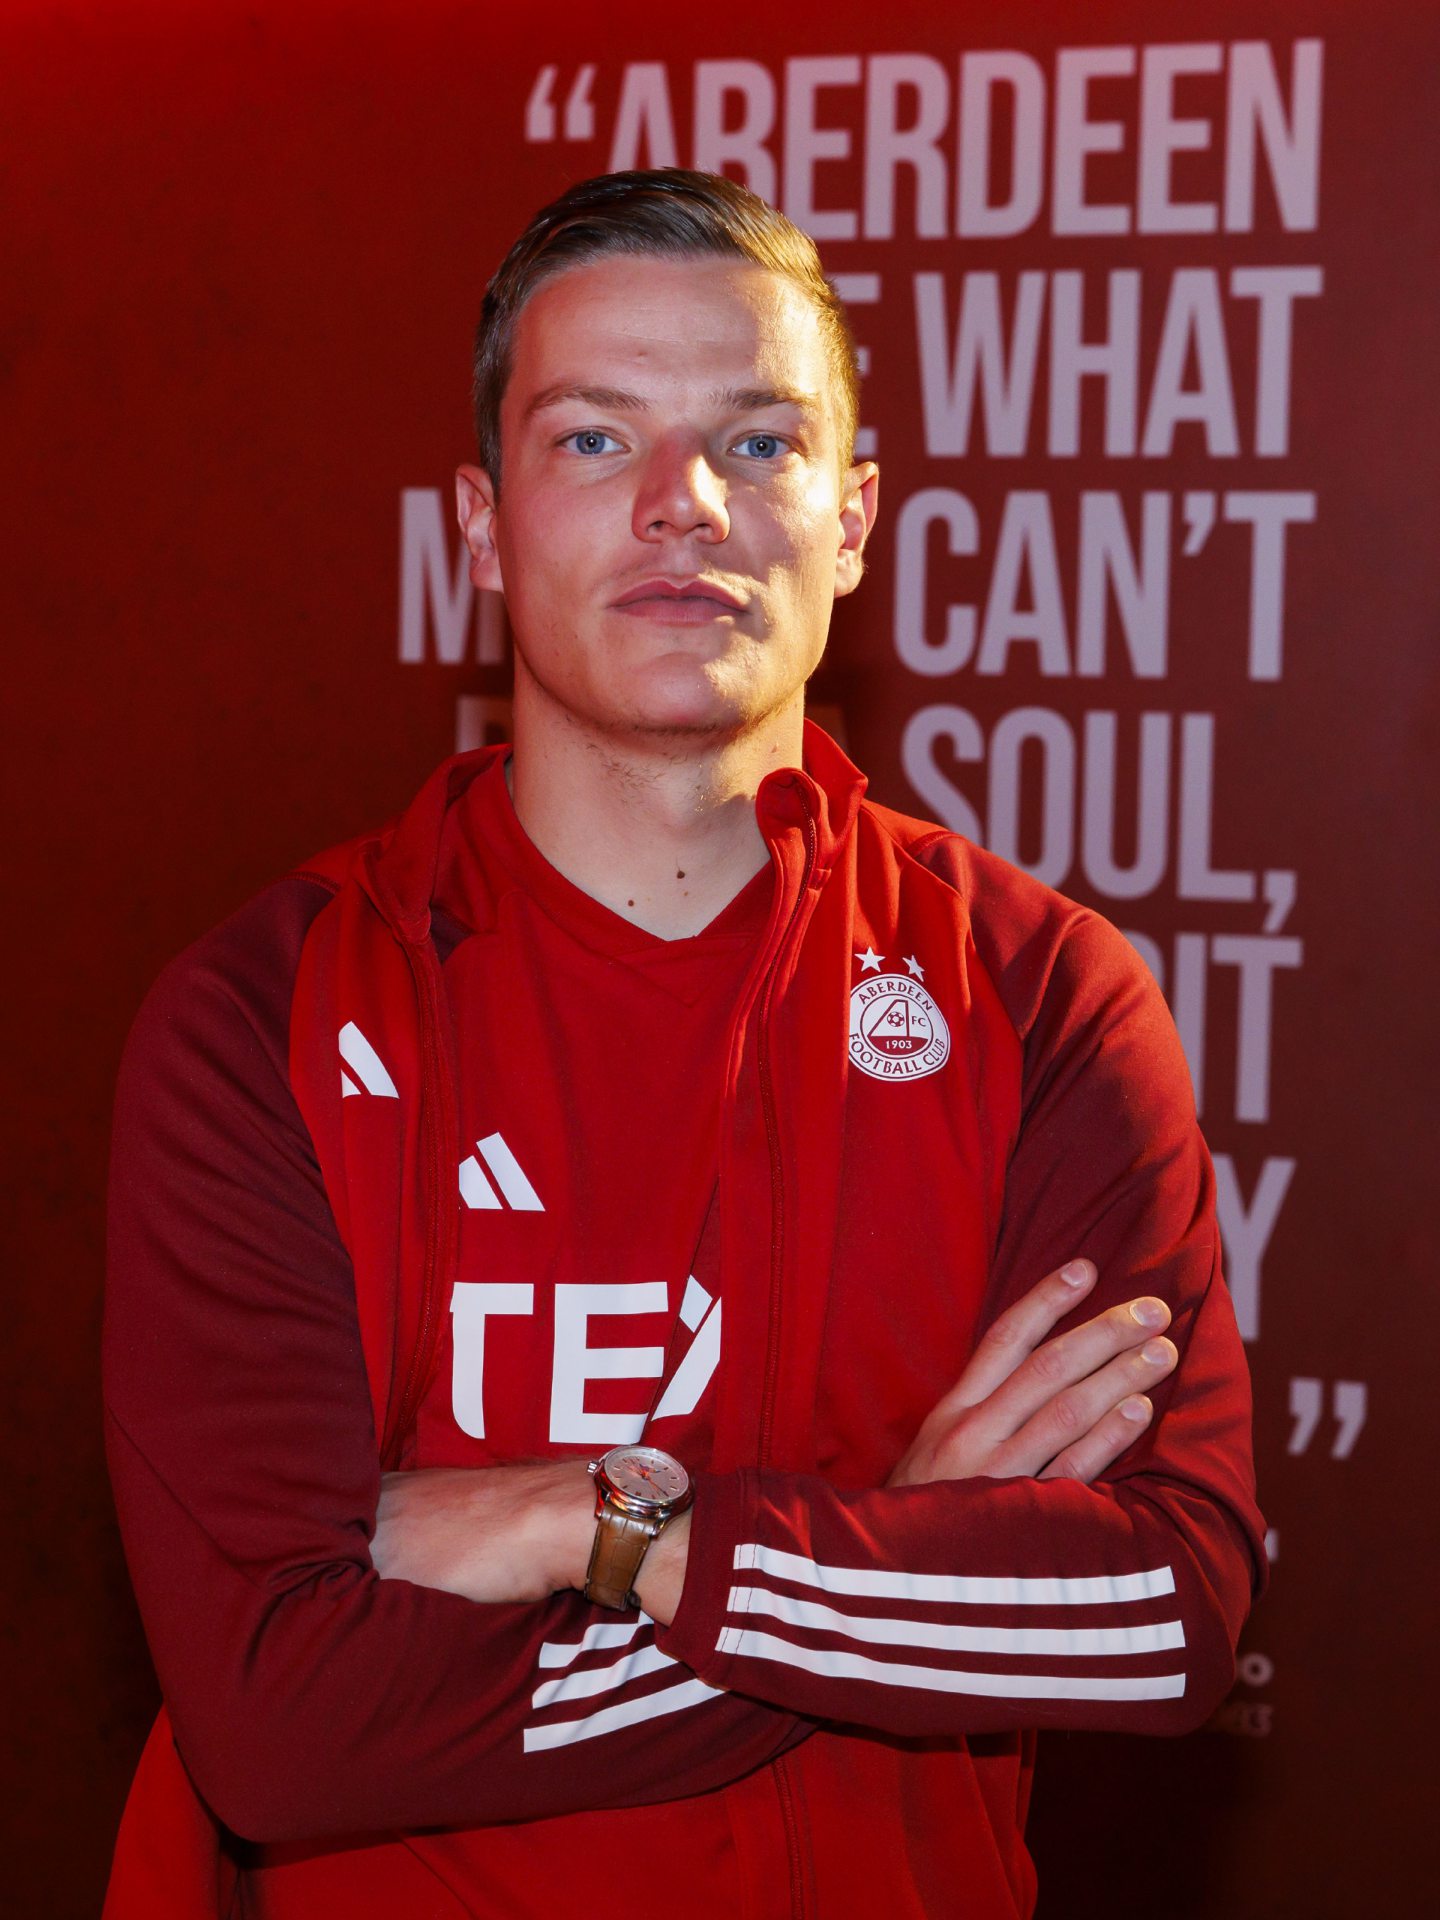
(665, 213)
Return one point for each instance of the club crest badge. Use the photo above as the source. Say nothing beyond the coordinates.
(896, 1030)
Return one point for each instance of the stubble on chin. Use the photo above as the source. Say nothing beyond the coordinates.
(717, 713)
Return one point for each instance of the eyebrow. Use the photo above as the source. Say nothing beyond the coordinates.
(725, 399)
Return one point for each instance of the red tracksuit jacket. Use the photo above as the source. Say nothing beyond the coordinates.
(840, 1718)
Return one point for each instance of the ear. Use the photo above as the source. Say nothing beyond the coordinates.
(475, 509)
(860, 497)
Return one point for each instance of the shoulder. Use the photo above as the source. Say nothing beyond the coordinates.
(222, 1006)
(1046, 954)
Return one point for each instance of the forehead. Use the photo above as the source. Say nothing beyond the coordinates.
(676, 325)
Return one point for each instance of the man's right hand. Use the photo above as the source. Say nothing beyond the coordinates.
(1052, 1409)
(508, 1533)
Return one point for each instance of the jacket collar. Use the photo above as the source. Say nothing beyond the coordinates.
(827, 790)
(398, 866)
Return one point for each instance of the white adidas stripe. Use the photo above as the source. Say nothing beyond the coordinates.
(627, 1713)
(588, 1681)
(1103, 1589)
(366, 1065)
(475, 1190)
(508, 1174)
(1077, 1642)
(746, 1643)
(561, 1653)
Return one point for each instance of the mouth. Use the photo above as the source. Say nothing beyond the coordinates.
(678, 610)
(687, 601)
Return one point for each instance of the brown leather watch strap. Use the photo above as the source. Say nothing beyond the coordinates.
(616, 1557)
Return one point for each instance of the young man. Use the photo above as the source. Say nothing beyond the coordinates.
(635, 1354)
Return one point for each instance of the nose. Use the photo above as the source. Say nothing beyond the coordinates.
(680, 493)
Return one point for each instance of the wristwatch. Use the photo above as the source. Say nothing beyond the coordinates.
(638, 1492)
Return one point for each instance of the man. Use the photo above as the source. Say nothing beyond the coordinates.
(777, 1425)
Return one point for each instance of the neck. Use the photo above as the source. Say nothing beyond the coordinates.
(660, 828)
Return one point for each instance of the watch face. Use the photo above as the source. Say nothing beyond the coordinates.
(646, 1475)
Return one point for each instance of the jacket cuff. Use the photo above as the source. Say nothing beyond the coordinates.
(724, 1513)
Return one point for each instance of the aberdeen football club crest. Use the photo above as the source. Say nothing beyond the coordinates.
(896, 1030)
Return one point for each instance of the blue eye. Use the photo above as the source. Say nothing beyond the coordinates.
(590, 440)
(768, 446)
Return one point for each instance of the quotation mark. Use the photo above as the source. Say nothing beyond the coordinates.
(1349, 1404)
(540, 113)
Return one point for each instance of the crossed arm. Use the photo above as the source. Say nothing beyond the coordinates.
(1063, 1407)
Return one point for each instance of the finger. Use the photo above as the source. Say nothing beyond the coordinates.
(1069, 1415)
(1010, 1339)
(1064, 1361)
(1088, 1457)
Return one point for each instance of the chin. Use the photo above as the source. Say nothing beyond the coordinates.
(681, 698)
(680, 722)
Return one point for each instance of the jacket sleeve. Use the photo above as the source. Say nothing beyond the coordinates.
(309, 1697)
(977, 1605)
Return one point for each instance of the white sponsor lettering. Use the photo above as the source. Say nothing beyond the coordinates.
(471, 1305)
(577, 1362)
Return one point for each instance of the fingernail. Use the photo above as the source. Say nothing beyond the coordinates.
(1135, 1408)
(1150, 1313)
(1157, 1352)
(1075, 1273)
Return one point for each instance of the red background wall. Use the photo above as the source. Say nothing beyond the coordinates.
(244, 249)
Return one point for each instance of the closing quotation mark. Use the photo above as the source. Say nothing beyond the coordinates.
(1349, 1403)
(540, 116)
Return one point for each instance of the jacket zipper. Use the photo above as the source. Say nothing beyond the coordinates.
(434, 1145)
(784, 1791)
(772, 1135)
(791, 1826)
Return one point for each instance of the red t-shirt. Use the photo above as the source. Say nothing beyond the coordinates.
(591, 1059)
